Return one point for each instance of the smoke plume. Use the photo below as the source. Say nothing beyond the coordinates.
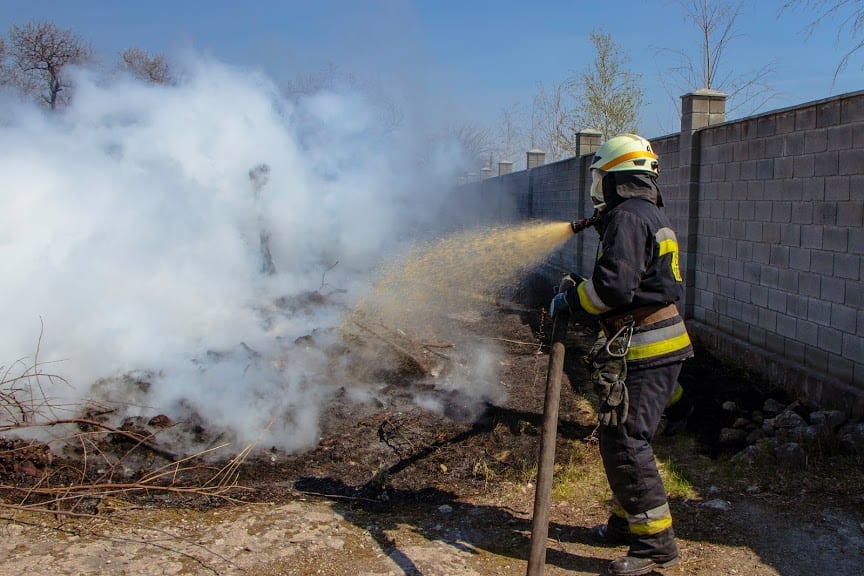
(193, 249)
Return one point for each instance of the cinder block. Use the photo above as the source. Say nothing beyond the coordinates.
(806, 332)
(799, 259)
(815, 141)
(834, 290)
(840, 137)
(810, 285)
(780, 256)
(837, 188)
(796, 306)
(759, 295)
(844, 318)
(834, 238)
(785, 325)
(851, 161)
(822, 262)
(805, 118)
(803, 166)
(790, 234)
(850, 214)
(830, 339)
(777, 300)
(819, 312)
(789, 280)
(811, 236)
(828, 164)
(825, 214)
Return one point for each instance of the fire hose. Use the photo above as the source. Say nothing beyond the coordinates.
(549, 431)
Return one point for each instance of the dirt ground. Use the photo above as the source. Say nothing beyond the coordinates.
(396, 489)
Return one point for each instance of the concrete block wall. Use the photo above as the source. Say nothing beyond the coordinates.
(780, 239)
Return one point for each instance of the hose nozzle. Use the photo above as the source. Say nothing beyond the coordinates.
(580, 225)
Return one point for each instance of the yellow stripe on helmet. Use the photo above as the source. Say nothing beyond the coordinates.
(629, 156)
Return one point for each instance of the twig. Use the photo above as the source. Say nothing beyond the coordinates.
(509, 341)
(135, 438)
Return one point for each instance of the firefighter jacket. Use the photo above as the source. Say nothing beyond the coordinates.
(636, 280)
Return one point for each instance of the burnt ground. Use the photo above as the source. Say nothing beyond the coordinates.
(394, 488)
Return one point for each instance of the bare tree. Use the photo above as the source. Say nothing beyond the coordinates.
(40, 53)
(747, 91)
(552, 121)
(851, 16)
(511, 134)
(3, 71)
(475, 142)
(153, 69)
(608, 95)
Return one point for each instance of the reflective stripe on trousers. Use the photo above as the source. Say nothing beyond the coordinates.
(649, 522)
(658, 342)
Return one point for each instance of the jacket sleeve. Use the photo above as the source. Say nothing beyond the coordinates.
(625, 252)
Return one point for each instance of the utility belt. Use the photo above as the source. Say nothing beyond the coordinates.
(617, 324)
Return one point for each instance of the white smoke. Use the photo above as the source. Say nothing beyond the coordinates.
(139, 225)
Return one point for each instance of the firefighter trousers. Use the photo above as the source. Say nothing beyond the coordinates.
(639, 496)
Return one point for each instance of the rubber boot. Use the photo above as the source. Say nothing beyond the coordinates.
(646, 554)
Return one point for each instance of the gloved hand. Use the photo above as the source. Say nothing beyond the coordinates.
(569, 281)
(559, 304)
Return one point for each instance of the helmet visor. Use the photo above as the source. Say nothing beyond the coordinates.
(597, 189)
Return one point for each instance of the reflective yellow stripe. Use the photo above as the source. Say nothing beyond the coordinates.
(629, 156)
(652, 349)
(651, 526)
(651, 522)
(589, 300)
(667, 246)
(658, 342)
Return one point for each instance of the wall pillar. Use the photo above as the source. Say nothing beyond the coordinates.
(536, 157)
(485, 172)
(588, 141)
(698, 109)
(505, 167)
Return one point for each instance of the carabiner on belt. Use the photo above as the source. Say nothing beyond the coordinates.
(625, 333)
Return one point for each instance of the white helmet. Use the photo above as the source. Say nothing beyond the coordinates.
(624, 153)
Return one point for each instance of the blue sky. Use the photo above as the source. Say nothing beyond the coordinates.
(474, 58)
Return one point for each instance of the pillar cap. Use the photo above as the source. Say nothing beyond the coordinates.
(706, 92)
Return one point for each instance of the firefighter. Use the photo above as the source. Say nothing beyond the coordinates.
(632, 292)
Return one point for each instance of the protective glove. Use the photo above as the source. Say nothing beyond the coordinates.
(612, 391)
(569, 280)
(559, 304)
(608, 376)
